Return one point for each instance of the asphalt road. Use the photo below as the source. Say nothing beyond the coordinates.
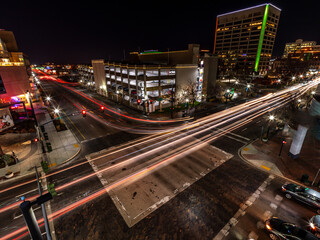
(197, 211)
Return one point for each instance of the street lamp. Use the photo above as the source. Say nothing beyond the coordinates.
(56, 111)
(293, 78)
(48, 98)
(266, 137)
(313, 92)
(299, 100)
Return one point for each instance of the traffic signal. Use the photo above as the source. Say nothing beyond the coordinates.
(150, 101)
(102, 108)
(84, 113)
(139, 101)
(51, 189)
(44, 165)
(36, 140)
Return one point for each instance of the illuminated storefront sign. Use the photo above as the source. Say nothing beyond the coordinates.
(5, 119)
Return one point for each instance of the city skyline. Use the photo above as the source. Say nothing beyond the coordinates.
(70, 33)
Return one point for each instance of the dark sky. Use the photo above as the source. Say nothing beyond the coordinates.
(76, 32)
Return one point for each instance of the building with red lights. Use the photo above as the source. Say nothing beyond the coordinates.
(14, 79)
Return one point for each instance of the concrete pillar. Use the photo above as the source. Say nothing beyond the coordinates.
(145, 81)
(297, 141)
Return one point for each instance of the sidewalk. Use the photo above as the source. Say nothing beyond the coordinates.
(63, 143)
(200, 111)
(266, 156)
(29, 153)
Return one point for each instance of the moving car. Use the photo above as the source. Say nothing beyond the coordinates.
(314, 224)
(302, 194)
(279, 229)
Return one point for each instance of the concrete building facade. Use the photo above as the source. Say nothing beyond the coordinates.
(149, 77)
(244, 39)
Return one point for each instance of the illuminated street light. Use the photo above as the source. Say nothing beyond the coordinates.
(187, 100)
(236, 82)
(56, 111)
(271, 117)
(299, 100)
(48, 98)
(313, 92)
(228, 90)
(293, 78)
(248, 86)
(301, 76)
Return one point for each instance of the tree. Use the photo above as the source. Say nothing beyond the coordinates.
(188, 91)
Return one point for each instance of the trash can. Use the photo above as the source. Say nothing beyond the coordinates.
(49, 147)
(45, 136)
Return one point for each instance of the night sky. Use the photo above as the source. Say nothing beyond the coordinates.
(65, 32)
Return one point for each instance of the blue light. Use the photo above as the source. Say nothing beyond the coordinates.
(249, 9)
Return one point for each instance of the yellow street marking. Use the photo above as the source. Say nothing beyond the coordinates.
(52, 165)
(266, 168)
(76, 145)
(74, 125)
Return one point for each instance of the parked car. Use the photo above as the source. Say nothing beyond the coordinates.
(302, 194)
(279, 229)
(314, 224)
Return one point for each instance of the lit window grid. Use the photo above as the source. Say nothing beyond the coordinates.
(225, 41)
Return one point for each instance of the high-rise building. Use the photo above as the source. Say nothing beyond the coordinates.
(244, 39)
(297, 45)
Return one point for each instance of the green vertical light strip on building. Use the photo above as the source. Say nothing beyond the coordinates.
(263, 29)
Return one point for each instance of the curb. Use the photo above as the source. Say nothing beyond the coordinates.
(16, 178)
(264, 170)
(74, 155)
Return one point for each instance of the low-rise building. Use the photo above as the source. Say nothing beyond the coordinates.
(154, 76)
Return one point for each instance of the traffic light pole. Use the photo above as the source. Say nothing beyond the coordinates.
(31, 221)
(44, 212)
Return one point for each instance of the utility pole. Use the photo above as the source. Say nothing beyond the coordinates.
(30, 100)
(44, 213)
(30, 219)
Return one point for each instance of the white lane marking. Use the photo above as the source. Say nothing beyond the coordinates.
(274, 206)
(278, 198)
(21, 214)
(235, 139)
(253, 236)
(18, 196)
(234, 220)
(243, 129)
(267, 214)
(239, 136)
